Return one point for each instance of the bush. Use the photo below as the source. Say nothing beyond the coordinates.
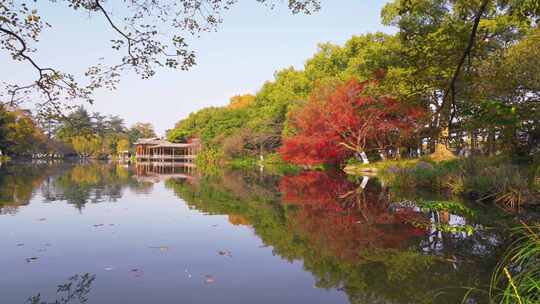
(209, 159)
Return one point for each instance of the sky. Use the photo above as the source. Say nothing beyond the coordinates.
(253, 42)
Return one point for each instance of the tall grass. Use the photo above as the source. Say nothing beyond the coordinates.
(517, 277)
(481, 179)
(490, 180)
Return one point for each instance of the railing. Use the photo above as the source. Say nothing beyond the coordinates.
(165, 157)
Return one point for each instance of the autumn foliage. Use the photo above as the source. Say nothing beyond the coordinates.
(338, 124)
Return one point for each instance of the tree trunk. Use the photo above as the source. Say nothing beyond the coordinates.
(363, 156)
(491, 141)
(474, 142)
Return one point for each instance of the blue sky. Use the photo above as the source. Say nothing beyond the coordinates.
(251, 44)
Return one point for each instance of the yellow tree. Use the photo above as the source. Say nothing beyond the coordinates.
(122, 145)
(241, 101)
(86, 146)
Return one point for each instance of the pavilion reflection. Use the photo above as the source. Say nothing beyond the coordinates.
(156, 172)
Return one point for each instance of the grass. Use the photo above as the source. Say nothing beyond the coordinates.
(517, 277)
(482, 179)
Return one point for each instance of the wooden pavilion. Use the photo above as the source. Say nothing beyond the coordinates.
(160, 150)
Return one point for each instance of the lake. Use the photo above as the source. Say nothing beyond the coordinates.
(109, 233)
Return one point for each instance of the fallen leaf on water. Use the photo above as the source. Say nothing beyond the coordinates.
(208, 279)
(225, 253)
(161, 248)
(20, 244)
(31, 259)
(98, 225)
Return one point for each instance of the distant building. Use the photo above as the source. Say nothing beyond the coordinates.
(158, 149)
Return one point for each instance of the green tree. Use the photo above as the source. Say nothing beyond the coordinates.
(141, 130)
(443, 44)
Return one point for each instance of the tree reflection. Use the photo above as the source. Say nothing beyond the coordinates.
(17, 185)
(76, 290)
(336, 214)
(351, 238)
(77, 184)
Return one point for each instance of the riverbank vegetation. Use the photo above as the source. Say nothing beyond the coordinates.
(517, 277)
(76, 134)
(403, 96)
(510, 183)
(455, 77)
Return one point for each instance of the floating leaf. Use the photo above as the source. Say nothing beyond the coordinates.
(225, 253)
(209, 279)
(31, 259)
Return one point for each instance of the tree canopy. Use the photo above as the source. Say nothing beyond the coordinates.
(468, 66)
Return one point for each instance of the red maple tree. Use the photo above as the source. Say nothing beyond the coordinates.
(335, 125)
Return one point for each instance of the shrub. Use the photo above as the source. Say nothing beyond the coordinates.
(209, 159)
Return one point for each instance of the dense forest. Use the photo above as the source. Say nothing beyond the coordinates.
(459, 76)
(78, 133)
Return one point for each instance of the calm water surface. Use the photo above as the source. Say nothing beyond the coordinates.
(102, 233)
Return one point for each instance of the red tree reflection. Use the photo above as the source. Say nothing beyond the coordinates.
(341, 218)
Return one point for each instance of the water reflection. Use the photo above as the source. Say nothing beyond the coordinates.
(154, 172)
(18, 183)
(352, 236)
(76, 184)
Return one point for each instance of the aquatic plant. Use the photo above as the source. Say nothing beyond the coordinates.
(453, 207)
